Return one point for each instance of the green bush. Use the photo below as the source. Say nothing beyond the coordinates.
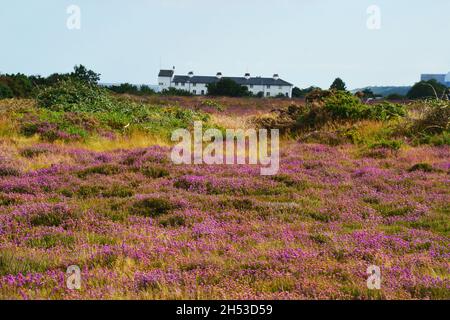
(5, 91)
(330, 106)
(176, 92)
(229, 88)
(393, 145)
(75, 96)
(386, 111)
(74, 110)
(428, 122)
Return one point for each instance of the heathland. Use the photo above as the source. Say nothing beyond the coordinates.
(86, 179)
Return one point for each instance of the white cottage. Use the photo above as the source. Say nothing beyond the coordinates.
(197, 85)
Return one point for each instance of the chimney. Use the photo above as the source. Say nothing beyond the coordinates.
(276, 76)
(190, 74)
(247, 76)
(219, 75)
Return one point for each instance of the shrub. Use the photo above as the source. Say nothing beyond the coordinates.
(49, 215)
(34, 151)
(426, 89)
(155, 172)
(105, 169)
(88, 191)
(6, 171)
(393, 145)
(153, 207)
(118, 191)
(5, 92)
(320, 238)
(338, 106)
(434, 117)
(175, 92)
(173, 221)
(425, 167)
(386, 111)
(392, 210)
(74, 96)
(227, 87)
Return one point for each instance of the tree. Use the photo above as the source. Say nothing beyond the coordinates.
(260, 94)
(227, 87)
(125, 88)
(427, 89)
(395, 96)
(175, 92)
(338, 85)
(81, 73)
(146, 90)
(301, 93)
(368, 94)
(19, 84)
(5, 91)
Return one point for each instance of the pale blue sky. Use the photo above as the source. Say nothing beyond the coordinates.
(308, 42)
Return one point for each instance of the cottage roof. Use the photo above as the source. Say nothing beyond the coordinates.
(240, 80)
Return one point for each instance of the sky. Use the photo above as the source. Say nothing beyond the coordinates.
(307, 42)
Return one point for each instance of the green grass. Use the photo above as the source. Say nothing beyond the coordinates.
(51, 240)
(12, 263)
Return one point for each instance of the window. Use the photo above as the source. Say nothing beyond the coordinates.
(251, 86)
(268, 86)
(194, 91)
(280, 87)
(194, 84)
(267, 94)
(182, 84)
(203, 92)
(287, 94)
(176, 84)
(161, 84)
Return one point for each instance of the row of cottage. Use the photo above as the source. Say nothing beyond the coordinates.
(197, 85)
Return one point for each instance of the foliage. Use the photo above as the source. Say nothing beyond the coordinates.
(74, 96)
(427, 89)
(338, 84)
(327, 106)
(15, 85)
(74, 110)
(395, 96)
(5, 91)
(227, 87)
(301, 93)
(153, 207)
(82, 74)
(428, 122)
(176, 92)
(425, 167)
(22, 86)
(132, 89)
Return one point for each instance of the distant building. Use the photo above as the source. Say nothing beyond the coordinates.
(441, 78)
(197, 85)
